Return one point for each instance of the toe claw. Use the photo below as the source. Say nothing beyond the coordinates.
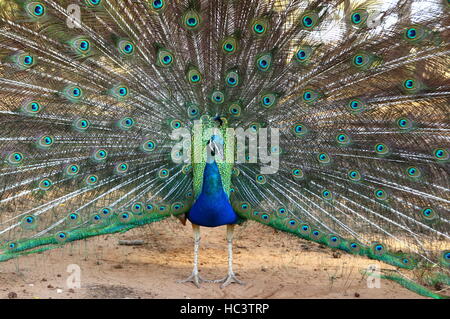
(194, 278)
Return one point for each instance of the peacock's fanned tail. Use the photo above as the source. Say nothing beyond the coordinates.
(91, 94)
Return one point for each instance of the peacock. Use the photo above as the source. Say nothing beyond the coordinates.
(328, 120)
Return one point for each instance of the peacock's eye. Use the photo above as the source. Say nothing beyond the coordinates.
(157, 4)
(301, 54)
(39, 10)
(28, 60)
(358, 59)
(259, 28)
(307, 21)
(409, 84)
(128, 48)
(307, 96)
(411, 33)
(356, 18)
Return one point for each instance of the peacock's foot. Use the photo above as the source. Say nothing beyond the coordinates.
(229, 279)
(194, 278)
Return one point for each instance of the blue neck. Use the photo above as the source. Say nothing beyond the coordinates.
(212, 207)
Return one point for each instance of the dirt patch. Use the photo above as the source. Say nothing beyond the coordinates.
(273, 265)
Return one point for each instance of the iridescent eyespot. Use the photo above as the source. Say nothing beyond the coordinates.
(31, 108)
(105, 211)
(81, 125)
(281, 211)
(260, 26)
(61, 236)
(45, 184)
(327, 195)
(354, 247)
(72, 170)
(100, 155)
(45, 142)
(378, 249)
(29, 222)
(217, 97)
(416, 34)
(193, 75)
(300, 129)
(121, 168)
(380, 194)
(243, 208)
(158, 5)
(163, 173)
(126, 47)
(412, 86)
(441, 154)
(81, 45)
(310, 96)
(264, 62)
(15, 158)
(269, 100)
(35, 9)
(91, 180)
(126, 123)
(428, 213)
(404, 123)
(445, 258)
(409, 84)
(165, 58)
(305, 229)
(73, 93)
(356, 106)
(73, 216)
(229, 45)
(381, 149)
(309, 20)
(413, 172)
(191, 20)
(323, 158)
(297, 174)
(24, 61)
(261, 179)
(93, 3)
(175, 124)
(292, 223)
(232, 78)
(125, 216)
(343, 139)
(148, 146)
(137, 208)
(354, 175)
(303, 54)
(235, 110)
(333, 240)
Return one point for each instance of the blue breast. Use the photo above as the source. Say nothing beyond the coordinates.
(212, 208)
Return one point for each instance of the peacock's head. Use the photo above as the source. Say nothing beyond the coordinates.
(214, 148)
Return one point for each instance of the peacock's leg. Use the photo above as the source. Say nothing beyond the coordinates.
(231, 277)
(195, 277)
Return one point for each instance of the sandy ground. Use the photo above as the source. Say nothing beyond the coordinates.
(273, 265)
